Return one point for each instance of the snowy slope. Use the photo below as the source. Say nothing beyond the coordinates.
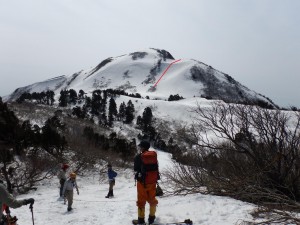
(90, 207)
(138, 72)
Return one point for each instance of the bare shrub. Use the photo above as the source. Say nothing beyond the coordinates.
(268, 215)
(245, 152)
(23, 174)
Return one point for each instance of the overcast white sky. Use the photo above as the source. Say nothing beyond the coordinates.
(257, 42)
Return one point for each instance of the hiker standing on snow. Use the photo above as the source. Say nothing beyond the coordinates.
(62, 178)
(146, 168)
(111, 180)
(69, 185)
(7, 199)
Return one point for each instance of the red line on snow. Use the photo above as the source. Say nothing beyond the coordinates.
(166, 71)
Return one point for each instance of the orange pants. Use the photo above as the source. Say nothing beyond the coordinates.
(146, 193)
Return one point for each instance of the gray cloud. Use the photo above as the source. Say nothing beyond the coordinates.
(256, 42)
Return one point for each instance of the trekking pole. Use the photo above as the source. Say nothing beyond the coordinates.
(31, 209)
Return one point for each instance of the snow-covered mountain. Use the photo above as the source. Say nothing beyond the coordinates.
(154, 73)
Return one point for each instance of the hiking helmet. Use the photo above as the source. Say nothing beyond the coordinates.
(73, 175)
(65, 166)
(144, 145)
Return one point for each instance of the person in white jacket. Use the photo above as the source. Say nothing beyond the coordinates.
(69, 186)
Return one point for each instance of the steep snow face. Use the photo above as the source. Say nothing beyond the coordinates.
(141, 72)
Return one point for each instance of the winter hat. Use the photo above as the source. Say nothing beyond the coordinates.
(144, 145)
(65, 166)
(109, 165)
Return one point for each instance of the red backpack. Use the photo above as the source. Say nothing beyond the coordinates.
(149, 167)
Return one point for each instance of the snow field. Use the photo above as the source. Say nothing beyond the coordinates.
(91, 206)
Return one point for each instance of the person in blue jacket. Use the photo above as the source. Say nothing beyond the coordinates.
(111, 179)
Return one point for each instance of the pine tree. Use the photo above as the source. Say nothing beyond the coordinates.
(147, 118)
(81, 94)
(96, 102)
(139, 122)
(112, 107)
(87, 104)
(63, 99)
(72, 96)
(112, 111)
(50, 97)
(122, 110)
(129, 112)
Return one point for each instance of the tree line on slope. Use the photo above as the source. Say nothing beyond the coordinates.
(27, 151)
(30, 153)
(55, 139)
(94, 108)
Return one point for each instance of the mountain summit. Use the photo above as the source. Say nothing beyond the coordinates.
(154, 73)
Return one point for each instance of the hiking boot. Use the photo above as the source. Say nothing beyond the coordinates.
(141, 220)
(110, 194)
(151, 219)
(69, 209)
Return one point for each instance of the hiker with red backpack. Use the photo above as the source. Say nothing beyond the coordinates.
(146, 175)
(62, 178)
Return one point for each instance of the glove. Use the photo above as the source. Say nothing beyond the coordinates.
(28, 201)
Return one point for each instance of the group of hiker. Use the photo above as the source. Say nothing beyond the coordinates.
(66, 190)
(67, 185)
(146, 176)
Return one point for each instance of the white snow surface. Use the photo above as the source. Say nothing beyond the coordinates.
(91, 206)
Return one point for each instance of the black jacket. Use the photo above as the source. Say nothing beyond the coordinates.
(137, 163)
